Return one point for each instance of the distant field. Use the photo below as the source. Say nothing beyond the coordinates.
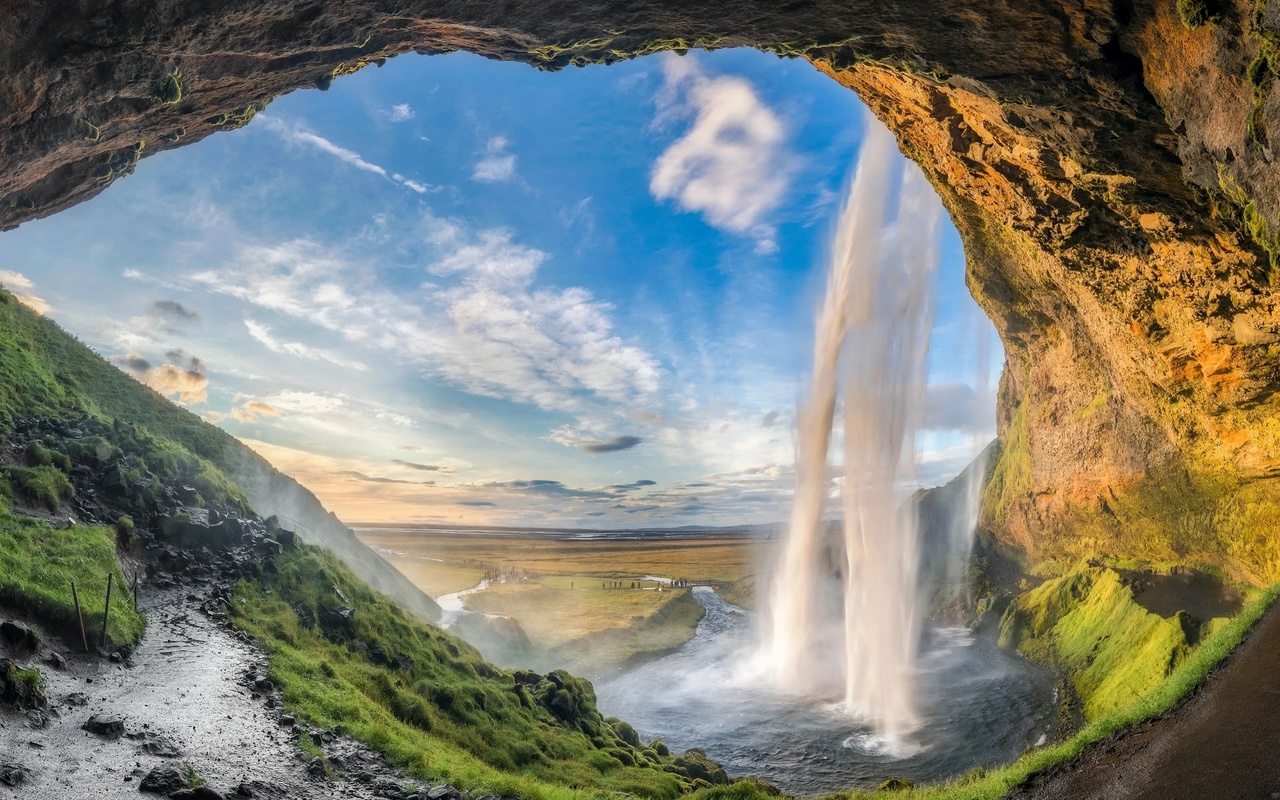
(705, 557)
(562, 606)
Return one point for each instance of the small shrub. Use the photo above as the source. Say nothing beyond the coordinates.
(37, 455)
(124, 528)
(1195, 13)
(170, 89)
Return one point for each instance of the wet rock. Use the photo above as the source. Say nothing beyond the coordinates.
(443, 792)
(108, 725)
(895, 785)
(196, 793)
(316, 769)
(18, 634)
(12, 774)
(288, 720)
(161, 748)
(164, 779)
(56, 660)
(77, 699)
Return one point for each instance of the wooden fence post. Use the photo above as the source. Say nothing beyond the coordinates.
(106, 612)
(84, 640)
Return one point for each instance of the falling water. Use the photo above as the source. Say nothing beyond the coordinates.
(873, 327)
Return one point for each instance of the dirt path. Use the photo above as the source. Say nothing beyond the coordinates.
(1222, 743)
(187, 694)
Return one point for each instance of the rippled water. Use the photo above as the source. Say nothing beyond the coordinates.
(981, 706)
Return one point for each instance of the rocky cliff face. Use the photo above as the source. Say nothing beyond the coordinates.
(1109, 166)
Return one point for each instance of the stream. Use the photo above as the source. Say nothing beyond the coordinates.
(981, 707)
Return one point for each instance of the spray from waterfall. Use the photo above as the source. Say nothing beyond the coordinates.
(871, 340)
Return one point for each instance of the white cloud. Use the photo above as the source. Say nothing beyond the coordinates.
(490, 330)
(305, 402)
(497, 165)
(732, 165)
(292, 133)
(400, 112)
(298, 135)
(22, 288)
(263, 334)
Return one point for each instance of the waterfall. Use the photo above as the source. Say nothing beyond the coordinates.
(870, 344)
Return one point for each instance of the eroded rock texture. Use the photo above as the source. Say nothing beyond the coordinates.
(1109, 167)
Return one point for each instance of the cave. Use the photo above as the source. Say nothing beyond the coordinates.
(1107, 166)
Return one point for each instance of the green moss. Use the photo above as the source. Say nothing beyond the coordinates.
(450, 715)
(238, 117)
(1010, 479)
(169, 88)
(1195, 13)
(121, 162)
(1097, 405)
(1088, 624)
(38, 564)
(1252, 221)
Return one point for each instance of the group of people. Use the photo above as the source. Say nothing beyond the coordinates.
(511, 575)
(678, 584)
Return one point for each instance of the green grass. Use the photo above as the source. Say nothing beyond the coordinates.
(453, 717)
(1088, 624)
(45, 486)
(38, 564)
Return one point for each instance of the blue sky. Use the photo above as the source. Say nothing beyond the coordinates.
(456, 290)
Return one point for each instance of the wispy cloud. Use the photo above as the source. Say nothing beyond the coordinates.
(262, 333)
(497, 165)
(490, 331)
(253, 410)
(400, 112)
(296, 134)
(732, 165)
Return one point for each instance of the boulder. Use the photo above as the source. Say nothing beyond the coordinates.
(443, 792)
(108, 725)
(164, 779)
(56, 661)
(19, 634)
(12, 774)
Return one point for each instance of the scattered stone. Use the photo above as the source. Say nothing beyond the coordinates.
(196, 793)
(56, 660)
(108, 725)
(443, 792)
(243, 790)
(316, 769)
(12, 774)
(18, 634)
(77, 699)
(164, 779)
(288, 720)
(162, 748)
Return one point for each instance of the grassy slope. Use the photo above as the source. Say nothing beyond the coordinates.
(1088, 623)
(594, 628)
(454, 715)
(44, 371)
(38, 564)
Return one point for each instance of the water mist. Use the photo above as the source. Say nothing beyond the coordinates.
(871, 340)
